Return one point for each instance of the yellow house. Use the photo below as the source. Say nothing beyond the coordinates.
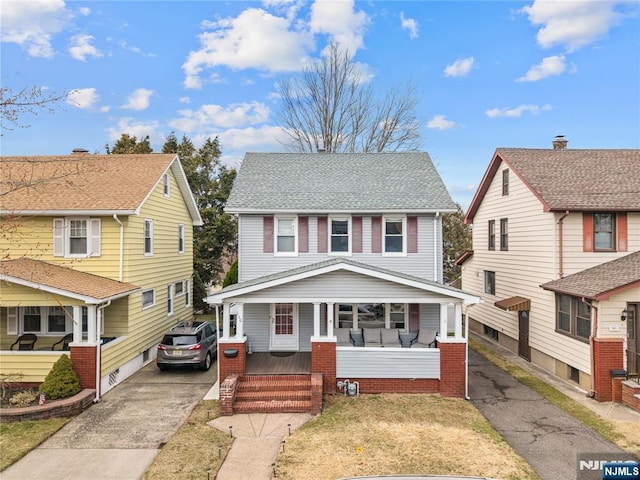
(97, 262)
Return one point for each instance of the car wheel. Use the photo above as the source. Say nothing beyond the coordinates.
(206, 365)
(163, 367)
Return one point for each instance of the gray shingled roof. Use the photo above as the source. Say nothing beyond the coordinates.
(571, 179)
(332, 182)
(599, 281)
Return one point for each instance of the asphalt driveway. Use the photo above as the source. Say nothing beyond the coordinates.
(119, 437)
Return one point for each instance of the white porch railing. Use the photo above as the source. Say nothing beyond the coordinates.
(376, 362)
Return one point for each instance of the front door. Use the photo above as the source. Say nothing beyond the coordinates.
(633, 339)
(523, 335)
(284, 326)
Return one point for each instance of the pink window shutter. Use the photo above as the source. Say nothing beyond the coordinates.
(376, 234)
(414, 317)
(322, 234)
(303, 234)
(622, 231)
(356, 241)
(412, 234)
(267, 234)
(587, 232)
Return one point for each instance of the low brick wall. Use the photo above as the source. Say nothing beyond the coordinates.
(630, 389)
(228, 394)
(67, 407)
(396, 385)
(316, 393)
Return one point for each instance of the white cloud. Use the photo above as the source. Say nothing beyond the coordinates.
(83, 98)
(217, 116)
(518, 111)
(132, 48)
(84, 11)
(549, 66)
(139, 99)
(254, 39)
(459, 68)
(264, 138)
(572, 24)
(80, 47)
(184, 100)
(33, 24)
(440, 122)
(138, 129)
(410, 25)
(338, 19)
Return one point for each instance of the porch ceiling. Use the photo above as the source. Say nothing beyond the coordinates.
(65, 281)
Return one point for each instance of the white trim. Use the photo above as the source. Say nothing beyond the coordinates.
(365, 211)
(187, 292)
(465, 297)
(170, 300)
(181, 240)
(385, 219)
(144, 237)
(330, 219)
(153, 291)
(166, 181)
(294, 226)
(294, 337)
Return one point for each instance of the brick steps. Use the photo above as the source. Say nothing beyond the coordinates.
(273, 394)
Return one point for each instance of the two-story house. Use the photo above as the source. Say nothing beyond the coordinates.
(340, 273)
(97, 262)
(556, 241)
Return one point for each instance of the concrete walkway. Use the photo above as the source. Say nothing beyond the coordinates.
(258, 439)
(549, 439)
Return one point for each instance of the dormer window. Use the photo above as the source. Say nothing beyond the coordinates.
(339, 236)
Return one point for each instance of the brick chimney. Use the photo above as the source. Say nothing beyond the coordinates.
(560, 143)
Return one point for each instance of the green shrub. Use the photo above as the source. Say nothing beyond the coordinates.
(62, 381)
(231, 278)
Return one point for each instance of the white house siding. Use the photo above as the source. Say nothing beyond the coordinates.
(254, 263)
(387, 362)
(530, 261)
(256, 326)
(610, 310)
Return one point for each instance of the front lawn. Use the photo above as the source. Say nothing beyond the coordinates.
(19, 438)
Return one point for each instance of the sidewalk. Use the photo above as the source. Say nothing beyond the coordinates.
(258, 439)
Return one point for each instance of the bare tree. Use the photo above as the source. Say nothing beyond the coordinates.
(331, 107)
(30, 99)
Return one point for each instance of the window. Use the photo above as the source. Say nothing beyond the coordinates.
(56, 320)
(373, 315)
(489, 282)
(148, 237)
(187, 293)
(76, 237)
(505, 182)
(148, 299)
(45, 320)
(504, 234)
(180, 238)
(492, 235)
(573, 317)
(394, 239)
(169, 299)
(286, 235)
(31, 319)
(167, 184)
(179, 288)
(604, 231)
(339, 238)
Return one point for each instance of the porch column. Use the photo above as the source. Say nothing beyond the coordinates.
(77, 323)
(92, 318)
(330, 312)
(225, 320)
(240, 320)
(387, 315)
(444, 311)
(316, 320)
(457, 308)
(354, 315)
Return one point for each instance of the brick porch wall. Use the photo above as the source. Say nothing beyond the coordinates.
(323, 361)
(230, 366)
(396, 385)
(607, 355)
(83, 359)
(631, 394)
(452, 369)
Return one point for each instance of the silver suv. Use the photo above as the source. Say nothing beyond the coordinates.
(188, 343)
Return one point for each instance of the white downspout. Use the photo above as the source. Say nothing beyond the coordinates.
(99, 314)
(466, 362)
(435, 249)
(115, 217)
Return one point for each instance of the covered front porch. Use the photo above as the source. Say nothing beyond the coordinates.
(307, 310)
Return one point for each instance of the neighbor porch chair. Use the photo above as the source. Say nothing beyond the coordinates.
(426, 338)
(390, 337)
(26, 341)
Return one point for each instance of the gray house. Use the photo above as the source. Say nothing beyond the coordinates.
(340, 278)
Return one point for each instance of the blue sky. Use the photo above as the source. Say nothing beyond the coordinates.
(489, 73)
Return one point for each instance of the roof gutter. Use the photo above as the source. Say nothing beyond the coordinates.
(48, 213)
(352, 211)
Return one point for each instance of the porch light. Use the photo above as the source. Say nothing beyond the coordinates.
(623, 317)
